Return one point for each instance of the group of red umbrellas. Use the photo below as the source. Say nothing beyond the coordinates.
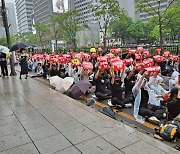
(142, 56)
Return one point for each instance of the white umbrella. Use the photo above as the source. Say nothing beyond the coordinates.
(4, 49)
(55, 80)
(65, 84)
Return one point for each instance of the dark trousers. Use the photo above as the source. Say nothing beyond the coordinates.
(152, 110)
(103, 95)
(116, 101)
(4, 69)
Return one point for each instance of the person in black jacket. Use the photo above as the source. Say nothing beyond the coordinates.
(3, 64)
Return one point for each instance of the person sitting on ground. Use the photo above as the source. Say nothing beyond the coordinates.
(53, 71)
(102, 91)
(39, 70)
(142, 107)
(61, 71)
(173, 104)
(117, 91)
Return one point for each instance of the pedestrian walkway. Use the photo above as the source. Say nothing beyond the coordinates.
(36, 119)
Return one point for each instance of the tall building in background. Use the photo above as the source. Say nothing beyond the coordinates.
(144, 17)
(24, 10)
(11, 20)
(43, 9)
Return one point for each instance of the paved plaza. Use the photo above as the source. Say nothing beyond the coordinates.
(36, 119)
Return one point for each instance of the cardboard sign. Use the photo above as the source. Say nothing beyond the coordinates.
(100, 49)
(94, 55)
(158, 51)
(118, 65)
(118, 50)
(102, 59)
(166, 54)
(139, 66)
(112, 50)
(138, 56)
(76, 62)
(146, 53)
(128, 61)
(87, 65)
(109, 55)
(86, 56)
(104, 66)
(117, 58)
(158, 58)
(153, 71)
(175, 58)
(93, 50)
(148, 62)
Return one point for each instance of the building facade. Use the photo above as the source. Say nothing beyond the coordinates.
(144, 16)
(24, 10)
(11, 20)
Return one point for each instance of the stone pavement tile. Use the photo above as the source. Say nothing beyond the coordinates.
(29, 115)
(97, 146)
(118, 152)
(156, 143)
(5, 111)
(23, 109)
(8, 120)
(13, 140)
(42, 132)
(23, 149)
(66, 125)
(79, 134)
(120, 138)
(87, 118)
(10, 129)
(71, 150)
(33, 123)
(142, 147)
(52, 144)
(101, 127)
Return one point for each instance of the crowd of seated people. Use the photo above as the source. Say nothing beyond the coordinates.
(123, 88)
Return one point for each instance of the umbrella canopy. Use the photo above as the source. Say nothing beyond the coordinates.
(79, 88)
(4, 49)
(64, 84)
(55, 80)
(18, 46)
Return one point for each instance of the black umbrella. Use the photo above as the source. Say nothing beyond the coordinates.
(18, 46)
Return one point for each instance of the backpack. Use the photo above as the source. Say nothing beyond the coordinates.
(169, 131)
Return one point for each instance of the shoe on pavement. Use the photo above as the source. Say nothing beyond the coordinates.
(110, 103)
(154, 120)
(129, 105)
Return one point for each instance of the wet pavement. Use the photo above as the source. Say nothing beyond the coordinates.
(36, 119)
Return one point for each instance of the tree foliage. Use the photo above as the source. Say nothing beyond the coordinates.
(105, 12)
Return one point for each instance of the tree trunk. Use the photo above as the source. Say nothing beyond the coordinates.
(160, 33)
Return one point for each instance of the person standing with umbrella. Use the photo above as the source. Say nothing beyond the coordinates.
(23, 63)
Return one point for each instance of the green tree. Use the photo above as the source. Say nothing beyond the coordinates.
(42, 32)
(147, 6)
(106, 12)
(69, 24)
(172, 22)
(119, 27)
(136, 30)
(3, 41)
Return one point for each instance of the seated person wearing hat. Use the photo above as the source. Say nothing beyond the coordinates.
(102, 91)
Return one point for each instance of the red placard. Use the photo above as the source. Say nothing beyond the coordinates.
(94, 55)
(132, 52)
(146, 53)
(138, 56)
(158, 58)
(112, 50)
(104, 66)
(87, 65)
(109, 55)
(139, 66)
(141, 49)
(100, 49)
(153, 71)
(102, 59)
(148, 62)
(166, 54)
(86, 56)
(175, 58)
(118, 65)
(117, 58)
(128, 61)
(118, 50)
(158, 51)
(128, 50)
(179, 79)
